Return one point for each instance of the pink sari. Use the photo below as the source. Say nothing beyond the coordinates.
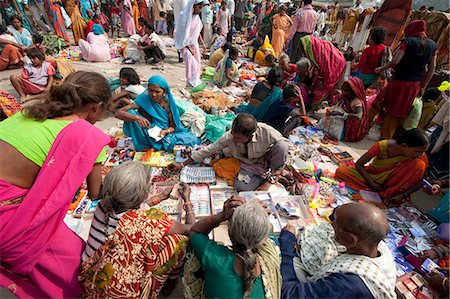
(40, 255)
(127, 21)
(193, 60)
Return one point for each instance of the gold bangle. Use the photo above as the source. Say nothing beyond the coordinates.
(444, 286)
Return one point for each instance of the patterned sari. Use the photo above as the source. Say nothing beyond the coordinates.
(396, 174)
(136, 259)
(329, 62)
(55, 16)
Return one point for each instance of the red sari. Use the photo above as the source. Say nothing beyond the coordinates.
(356, 129)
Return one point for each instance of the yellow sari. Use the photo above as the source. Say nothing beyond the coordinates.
(262, 52)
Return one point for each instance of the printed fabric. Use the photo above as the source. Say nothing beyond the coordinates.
(136, 259)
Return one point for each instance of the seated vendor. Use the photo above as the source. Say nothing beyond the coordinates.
(346, 259)
(259, 147)
(155, 108)
(218, 54)
(260, 48)
(352, 107)
(289, 69)
(250, 268)
(397, 170)
(263, 95)
(283, 116)
(149, 236)
(227, 70)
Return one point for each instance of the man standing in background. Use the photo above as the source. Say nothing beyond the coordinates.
(304, 23)
(207, 20)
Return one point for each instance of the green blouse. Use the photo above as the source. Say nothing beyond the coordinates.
(33, 138)
(221, 279)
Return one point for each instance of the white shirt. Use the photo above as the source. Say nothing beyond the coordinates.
(159, 43)
(231, 6)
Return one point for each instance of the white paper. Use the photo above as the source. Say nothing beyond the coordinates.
(154, 133)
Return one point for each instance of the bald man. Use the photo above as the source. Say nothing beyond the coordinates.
(346, 259)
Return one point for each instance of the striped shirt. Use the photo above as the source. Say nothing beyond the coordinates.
(100, 231)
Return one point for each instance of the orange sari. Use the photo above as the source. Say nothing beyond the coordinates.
(396, 174)
(280, 29)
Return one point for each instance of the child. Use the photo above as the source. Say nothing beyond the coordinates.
(227, 71)
(429, 106)
(115, 18)
(161, 28)
(130, 88)
(218, 40)
(36, 78)
(271, 61)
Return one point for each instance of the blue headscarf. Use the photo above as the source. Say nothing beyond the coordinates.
(159, 115)
(97, 29)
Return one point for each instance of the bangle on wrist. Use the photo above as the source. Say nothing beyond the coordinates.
(444, 283)
(190, 213)
(157, 199)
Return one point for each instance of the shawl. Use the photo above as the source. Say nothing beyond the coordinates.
(417, 28)
(160, 117)
(183, 37)
(321, 255)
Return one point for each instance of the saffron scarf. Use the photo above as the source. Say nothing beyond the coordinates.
(36, 244)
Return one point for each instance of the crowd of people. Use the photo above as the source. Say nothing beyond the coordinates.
(135, 250)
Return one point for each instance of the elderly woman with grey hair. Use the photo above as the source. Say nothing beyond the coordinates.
(303, 79)
(131, 252)
(250, 268)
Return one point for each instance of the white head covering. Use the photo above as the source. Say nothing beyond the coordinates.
(182, 28)
(206, 2)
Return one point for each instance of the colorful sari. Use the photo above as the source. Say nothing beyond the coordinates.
(158, 117)
(136, 259)
(220, 76)
(40, 254)
(260, 112)
(396, 174)
(8, 104)
(280, 29)
(258, 54)
(54, 14)
(330, 63)
(356, 129)
(78, 25)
